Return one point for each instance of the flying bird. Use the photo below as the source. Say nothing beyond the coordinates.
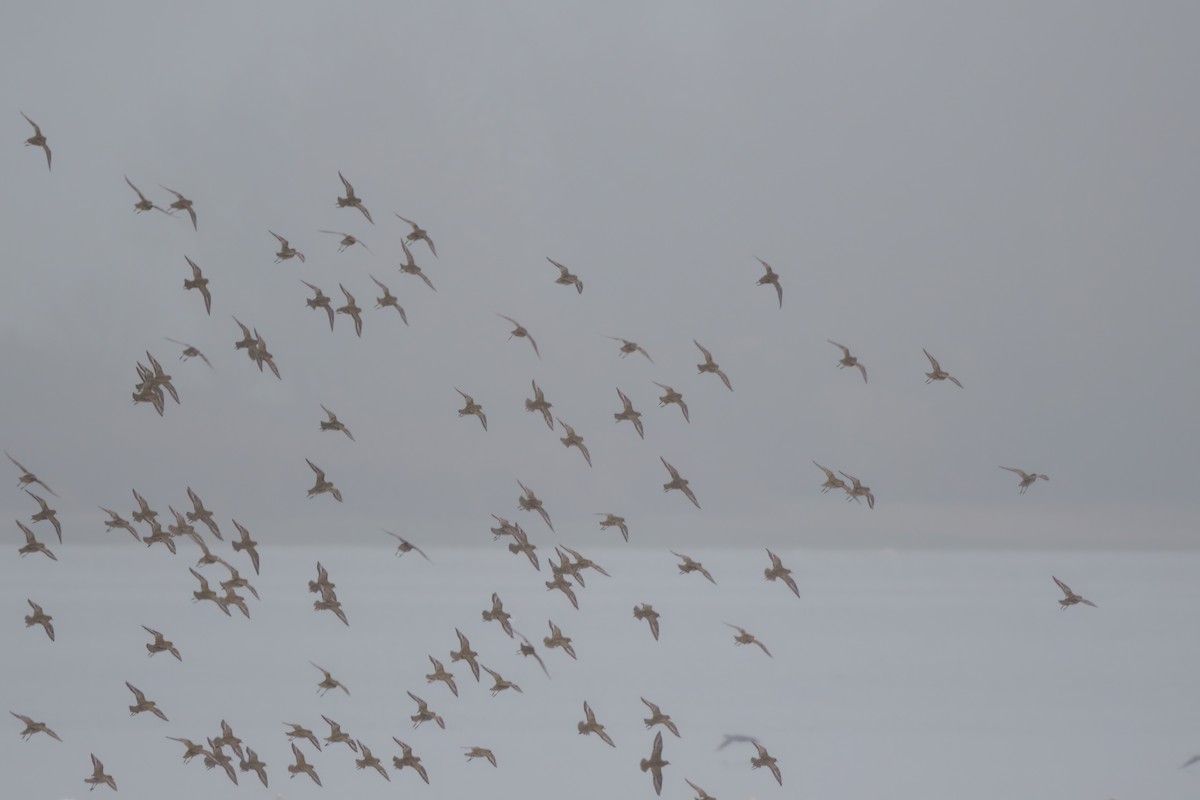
(628, 347)
(938, 373)
(143, 704)
(700, 793)
(336, 735)
(352, 310)
(46, 514)
(857, 490)
(32, 727)
(627, 413)
(1069, 600)
(328, 681)
(558, 639)
(678, 482)
(348, 241)
(199, 283)
(370, 760)
(529, 501)
(565, 278)
(471, 408)
(409, 760)
(418, 234)
(778, 571)
(465, 653)
(572, 439)
(143, 204)
(388, 300)
(350, 201)
(302, 767)
(247, 544)
(406, 546)
(189, 351)
(32, 545)
(690, 565)
(424, 714)
(27, 478)
(745, 637)
(611, 520)
(161, 644)
(286, 251)
(711, 366)
(831, 481)
(440, 674)
(655, 763)
(672, 396)
(1027, 478)
(521, 333)
(319, 300)
(182, 204)
(771, 278)
(99, 776)
(765, 759)
(589, 725)
(480, 752)
(848, 360)
(528, 650)
(322, 485)
(497, 614)
(657, 717)
(646, 611)
(37, 140)
(334, 424)
(538, 403)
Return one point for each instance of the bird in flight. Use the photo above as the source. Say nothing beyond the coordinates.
(771, 278)
(1027, 478)
(37, 140)
(1071, 598)
(350, 201)
(938, 373)
(848, 360)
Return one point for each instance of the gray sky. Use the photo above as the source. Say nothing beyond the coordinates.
(1011, 187)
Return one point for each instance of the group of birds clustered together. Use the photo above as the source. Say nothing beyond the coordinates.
(567, 566)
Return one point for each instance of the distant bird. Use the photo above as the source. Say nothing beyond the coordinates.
(565, 278)
(1027, 478)
(831, 481)
(322, 485)
(191, 749)
(202, 515)
(38, 140)
(350, 201)
(161, 644)
(558, 639)
(465, 653)
(337, 735)
(938, 373)
(424, 714)
(320, 300)
(572, 439)
(143, 704)
(27, 478)
(370, 760)
(302, 767)
(711, 366)
(627, 413)
(848, 360)
(700, 793)
(628, 347)
(143, 204)
(182, 204)
(471, 408)
(655, 763)
(731, 738)
(199, 283)
(328, 681)
(678, 482)
(418, 234)
(32, 545)
(388, 300)
(672, 396)
(528, 650)
(115, 521)
(857, 490)
(690, 565)
(657, 717)
(480, 752)
(611, 520)
(497, 614)
(765, 759)
(1069, 600)
(205, 591)
(500, 683)
(286, 251)
(352, 310)
(406, 546)
(778, 571)
(523, 545)
(247, 544)
(348, 241)
(521, 333)
(582, 562)
(299, 732)
(32, 728)
(46, 514)
(189, 352)
(529, 501)
(253, 763)
(538, 403)
(563, 585)
(589, 725)
(409, 760)
(409, 267)
(745, 637)
(144, 513)
(440, 674)
(646, 611)
(334, 424)
(99, 776)
(262, 356)
(770, 278)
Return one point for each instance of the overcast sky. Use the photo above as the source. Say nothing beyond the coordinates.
(1012, 187)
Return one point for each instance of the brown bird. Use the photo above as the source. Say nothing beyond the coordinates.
(528, 650)
(440, 674)
(424, 714)
(590, 725)
(831, 481)
(322, 485)
(558, 639)
(409, 267)
(499, 683)
(770, 278)
(142, 204)
(320, 300)
(46, 514)
(471, 407)
(538, 403)
(27, 478)
(646, 611)
(711, 366)
(182, 204)
(521, 333)
(406, 546)
(565, 278)
(191, 749)
(409, 760)
(745, 637)
(348, 241)
(255, 764)
(39, 617)
(938, 374)
(678, 482)
(523, 545)
(1069, 600)
(530, 502)
(161, 644)
(765, 759)
(299, 732)
(1027, 478)
(658, 718)
(848, 360)
(334, 424)
(497, 614)
(628, 347)
(302, 767)
(143, 704)
(627, 413)
(286, 251)
(388, 300)
(778, 571)
(465, 653)
(418, 234)
(202, 515)
(247, 544)
(655, 763)
(563, 585)
(99, 776)
(32, 727)
(672, 396)
(336, 734)
(32, 545)
(329, 682)
(611, 520)
(480, 752)
(370, 760)
(38, 140)
(189, 351)
(350, 201)
(572, 439)
(857, 490)
(700, 793)
(199, 283)
(690, 565)
(352, 310)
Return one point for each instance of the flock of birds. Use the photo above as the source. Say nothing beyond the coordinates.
(567, 567)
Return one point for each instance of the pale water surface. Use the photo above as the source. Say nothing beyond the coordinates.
(915, 675)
